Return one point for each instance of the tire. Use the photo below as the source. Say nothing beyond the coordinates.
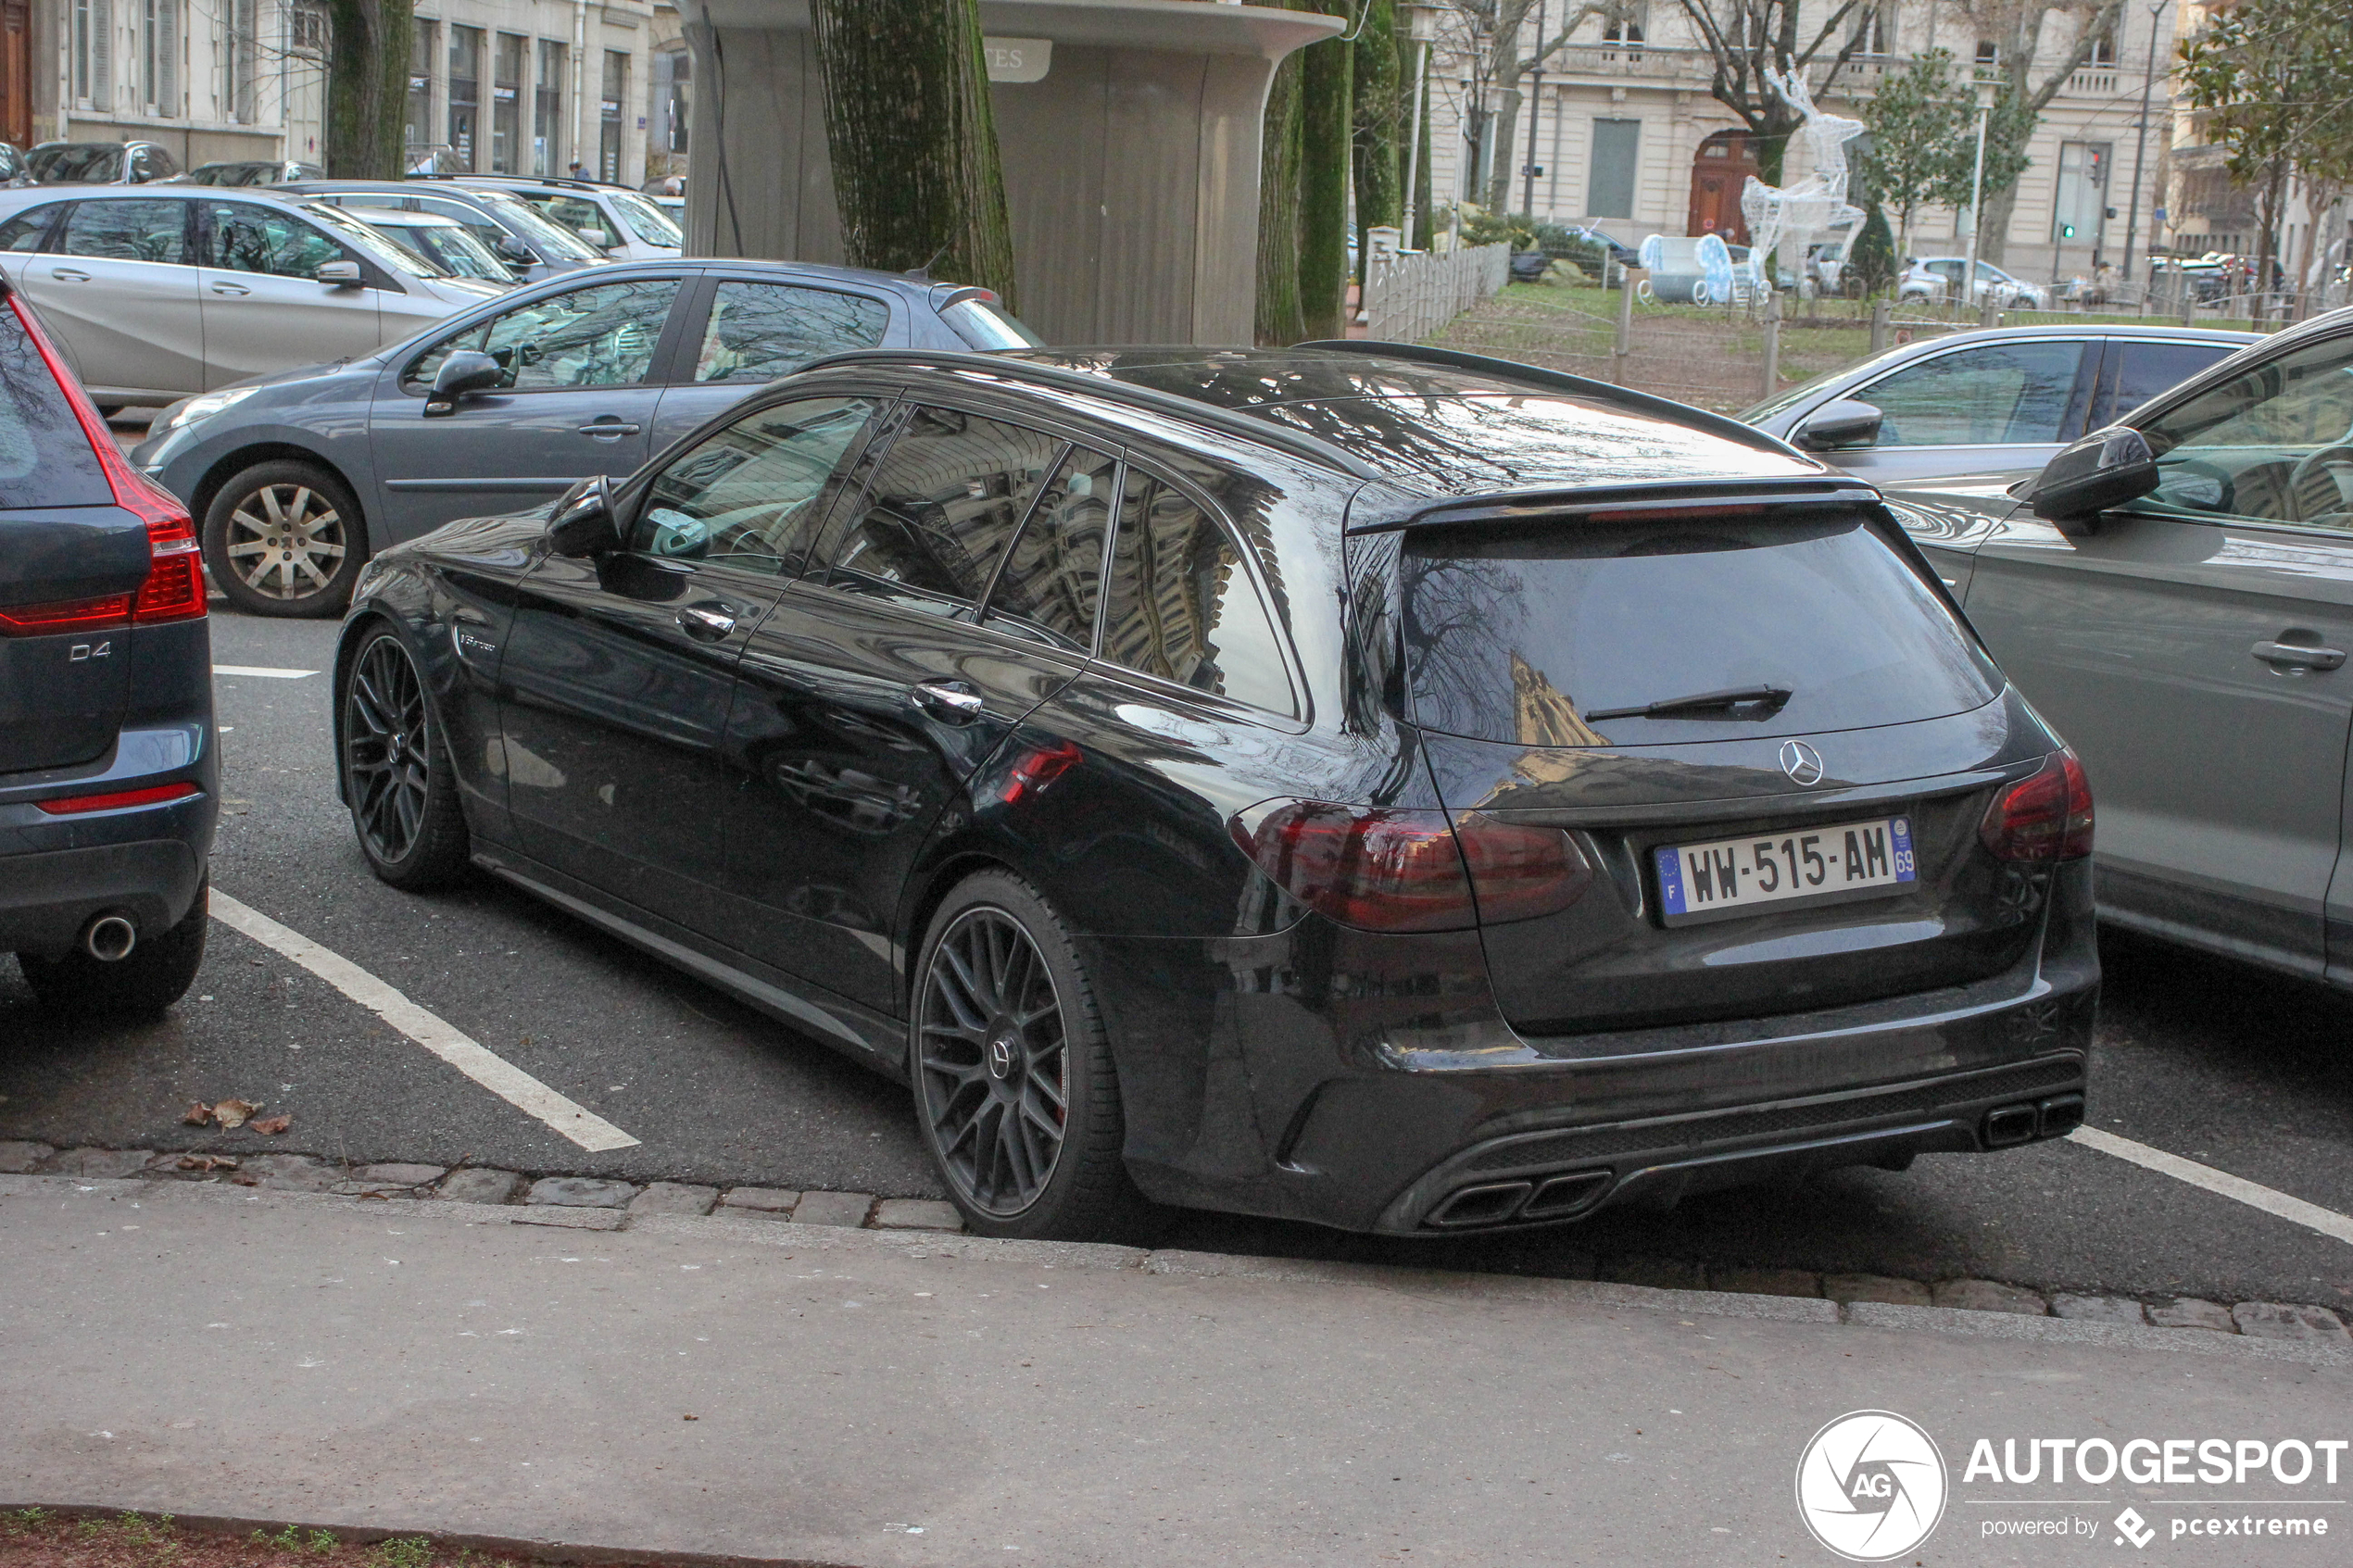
(285, 538)
(396, 772)
(157, 974)
(1002, 982)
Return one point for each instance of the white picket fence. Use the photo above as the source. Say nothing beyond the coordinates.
(1411, 298)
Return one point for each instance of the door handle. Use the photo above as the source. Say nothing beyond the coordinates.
(68, 275)
(233, 290)
(709, 624)
(2288, 656)
(605, 429)
(951, 702)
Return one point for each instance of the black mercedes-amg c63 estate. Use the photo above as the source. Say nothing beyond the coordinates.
(1361, 783)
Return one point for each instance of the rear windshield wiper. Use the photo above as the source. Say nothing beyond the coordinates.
(1766, 699)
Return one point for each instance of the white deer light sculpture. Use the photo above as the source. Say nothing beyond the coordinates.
(1792, 215)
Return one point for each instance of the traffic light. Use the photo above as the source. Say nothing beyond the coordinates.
(2067, 230)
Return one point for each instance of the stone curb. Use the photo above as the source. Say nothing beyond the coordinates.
(1178, 1263)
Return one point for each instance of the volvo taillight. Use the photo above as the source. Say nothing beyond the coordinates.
(1389, 869)
(2046, 818)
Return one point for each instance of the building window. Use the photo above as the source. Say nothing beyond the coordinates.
(465, 94)
(506, 104)
(417, 130)
(93, 54)
(1624, 21)
(616, 94)
(2103, 50)
(239, 58)
(306, 29)
(673, 82)
(1609, 175)
(1871, 35)
(159, 57)
(547, 111)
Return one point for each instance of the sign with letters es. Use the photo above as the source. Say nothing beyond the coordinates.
(1018, 59)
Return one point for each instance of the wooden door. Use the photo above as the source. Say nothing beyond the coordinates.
(1719, 173)
(15, 71)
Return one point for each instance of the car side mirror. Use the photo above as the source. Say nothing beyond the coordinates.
(583, 523)
(2105, 469)
(338, 274)
(602, 238)
(463, 372)
(1838, 425)
(513, 252)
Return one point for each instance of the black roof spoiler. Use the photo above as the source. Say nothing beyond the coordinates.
(1557, 380)
(1011, 367)
(1628, 501)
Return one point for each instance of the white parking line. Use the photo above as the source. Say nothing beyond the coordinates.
(263, 672)
(494, 1073)
(2328, 1222)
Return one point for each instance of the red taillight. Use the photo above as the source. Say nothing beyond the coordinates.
(1040, 768)
(66, 615)
(174, 589)
(1405, 870)
(2047, 817)
(153, 794)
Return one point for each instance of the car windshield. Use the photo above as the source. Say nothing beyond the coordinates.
(1513, 633)
(645, 220)
(77, 163)
(552, 241)
(449, 249)
(985, 324)
(373, 243)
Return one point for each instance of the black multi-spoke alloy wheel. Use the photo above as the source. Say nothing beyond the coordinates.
(395, 771)
(284, 538)
(1015, 1091)
(158, 972)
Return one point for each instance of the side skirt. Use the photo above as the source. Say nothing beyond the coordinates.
(870, 1038)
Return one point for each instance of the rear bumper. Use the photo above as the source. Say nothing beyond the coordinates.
(47, 898)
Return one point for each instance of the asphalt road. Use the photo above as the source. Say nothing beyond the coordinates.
(2220, 1063)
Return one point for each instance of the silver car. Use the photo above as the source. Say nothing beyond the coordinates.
(1974, 402)
(509, 225)
(178, 289)
(2175, 593)
(619, 222)
(440, 243)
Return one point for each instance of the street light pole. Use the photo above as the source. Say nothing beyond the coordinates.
(2140, 144)
(1421, 24)
(1976, 198)
(1535, 108)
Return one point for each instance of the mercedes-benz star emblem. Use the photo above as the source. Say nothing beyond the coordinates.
(1802, 763)
(1000, 1057)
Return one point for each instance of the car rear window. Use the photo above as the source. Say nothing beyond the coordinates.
(46, 460)
(1516, 634)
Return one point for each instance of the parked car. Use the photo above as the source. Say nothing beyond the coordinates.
(109, 772)
(270, 172)
(591, 372)
(2176, 592)
(1940, 278)
(1970, 402)
(1390, 788)
(181, 289)
(614, 220)
(15, 171)
(513, 228)
(101, 163)
(439, 243)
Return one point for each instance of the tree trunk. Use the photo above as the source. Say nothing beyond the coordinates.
(1420, 196)
(913, 139)
(366, 87)
(1500, 155)
(1277, 319)
(2267, 238)
(1325, 124)
(1380, 127)
(1993, 222)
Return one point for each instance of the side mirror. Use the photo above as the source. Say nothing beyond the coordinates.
(2105, 469)
(464, 371)
(602, 238)
(513, 249)
(583, 523)
(338, 274)
(1839, 424)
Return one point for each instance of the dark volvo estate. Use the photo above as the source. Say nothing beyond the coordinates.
(1365, 784)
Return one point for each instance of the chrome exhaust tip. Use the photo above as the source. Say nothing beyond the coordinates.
(110, 938)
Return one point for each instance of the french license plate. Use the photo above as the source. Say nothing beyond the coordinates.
(1695, 879)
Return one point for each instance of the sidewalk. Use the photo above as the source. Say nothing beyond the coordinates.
(750, 1388)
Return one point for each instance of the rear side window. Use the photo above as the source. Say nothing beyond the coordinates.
(2134, 372)
(128, 230)
(1053, 580)
(1181, 605)
(752, 496)
(46, 459)
(942, 506)
(1518, 633)
(759, 331)
(26, 230)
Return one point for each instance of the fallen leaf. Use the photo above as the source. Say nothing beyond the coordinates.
(273, 1125)
(233, 1113)
(691, 1418)
(198, 1114)
(207, 1162)
(244, 1181)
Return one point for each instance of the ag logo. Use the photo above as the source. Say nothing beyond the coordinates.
(1871, 1485)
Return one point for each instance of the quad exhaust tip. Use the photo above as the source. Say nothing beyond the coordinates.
(110, 938)
(2009, 1126)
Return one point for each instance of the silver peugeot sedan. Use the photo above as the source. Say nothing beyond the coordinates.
(1975, 402)
(2175, 593)
(167, 291)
